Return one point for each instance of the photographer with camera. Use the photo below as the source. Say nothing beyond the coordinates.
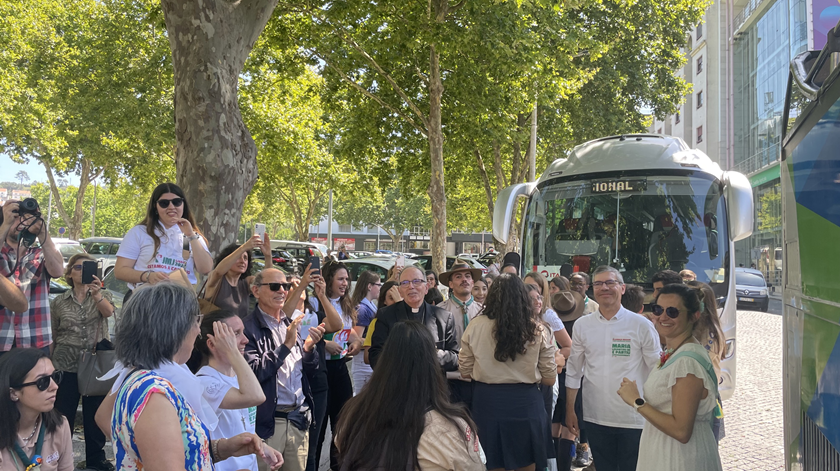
(30, 265)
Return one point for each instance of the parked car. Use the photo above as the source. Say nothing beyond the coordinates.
(378, 265)
(103, 249)
(282, 259)
(751, 289)
(425, 261)
(300, 250)
(468, 255)
(68, 248)
(488, 258)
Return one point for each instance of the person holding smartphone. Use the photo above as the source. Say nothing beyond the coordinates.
(154, 249)
(229, 284)
(79, 323)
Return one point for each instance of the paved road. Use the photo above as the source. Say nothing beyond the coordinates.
(754, 433)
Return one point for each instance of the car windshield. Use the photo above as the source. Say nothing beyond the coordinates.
(749, 279)
(639, 225)
(68, 250)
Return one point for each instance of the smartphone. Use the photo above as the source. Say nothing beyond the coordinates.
(315, 261)
(400, 261)
(259, 229)
(88, 271)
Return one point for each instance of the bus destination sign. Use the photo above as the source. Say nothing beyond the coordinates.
(619, 185)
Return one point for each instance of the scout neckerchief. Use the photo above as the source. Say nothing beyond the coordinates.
(34, 463)
(464, 307)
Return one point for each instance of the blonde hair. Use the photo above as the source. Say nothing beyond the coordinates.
(68, 269)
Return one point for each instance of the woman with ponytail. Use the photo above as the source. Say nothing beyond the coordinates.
(230, 387)
(679, 400)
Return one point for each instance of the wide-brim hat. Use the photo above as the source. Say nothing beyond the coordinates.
(568, 305)
(459, 266)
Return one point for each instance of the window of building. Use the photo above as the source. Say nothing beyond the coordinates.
(699, 31)
(677, 118)
(344, 228)
(700, 99)
(699, 134)
(700, 64)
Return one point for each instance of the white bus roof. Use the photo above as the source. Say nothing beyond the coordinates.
(631, 152)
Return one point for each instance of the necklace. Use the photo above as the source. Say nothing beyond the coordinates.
(34, 429)
(668, 352)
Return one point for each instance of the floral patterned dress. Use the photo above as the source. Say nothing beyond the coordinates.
(132, 399)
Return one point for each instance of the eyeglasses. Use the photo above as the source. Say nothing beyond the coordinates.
(671, 312)
(177, 202)
(277, 286)
(43, 383)
(415, 283)
(199, 318)
(77, 267)
(608, 283)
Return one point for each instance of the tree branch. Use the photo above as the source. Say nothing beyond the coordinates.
(497, 166)
(54, 189)
(421, 129)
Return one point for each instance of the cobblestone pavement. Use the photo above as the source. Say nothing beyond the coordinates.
(754, 431)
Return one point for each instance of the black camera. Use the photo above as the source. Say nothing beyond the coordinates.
(29, 206)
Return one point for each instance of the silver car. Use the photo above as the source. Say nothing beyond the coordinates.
(103, 249)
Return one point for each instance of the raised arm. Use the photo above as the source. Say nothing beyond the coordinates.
(217, 275)
(249, 393)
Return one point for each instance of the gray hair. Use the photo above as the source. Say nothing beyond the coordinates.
(257, 279)
(154, 323)
(608, 269)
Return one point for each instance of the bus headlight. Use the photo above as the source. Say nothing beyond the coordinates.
(729, 350)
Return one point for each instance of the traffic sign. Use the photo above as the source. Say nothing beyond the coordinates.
(61, 231)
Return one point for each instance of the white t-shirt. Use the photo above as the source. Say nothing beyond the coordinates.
(342, 337)
(551, 318)
(231, 422)
(139, 246)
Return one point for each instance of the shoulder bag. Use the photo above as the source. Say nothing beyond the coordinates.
(95, 363)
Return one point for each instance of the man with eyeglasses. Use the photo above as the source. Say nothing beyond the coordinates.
(579, 282)
(608, 346)
(29, 266)
(460, 280)
(413, 307)
(284, 364)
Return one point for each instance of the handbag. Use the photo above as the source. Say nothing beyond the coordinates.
(207, 306)
(95, 363)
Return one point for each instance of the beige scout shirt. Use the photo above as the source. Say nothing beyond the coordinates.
(57, 451)
(446, 447)
(458, 315)
(477, 359)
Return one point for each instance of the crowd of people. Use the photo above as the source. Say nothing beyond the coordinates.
(507, 371)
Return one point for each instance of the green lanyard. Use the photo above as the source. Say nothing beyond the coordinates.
(34, 463)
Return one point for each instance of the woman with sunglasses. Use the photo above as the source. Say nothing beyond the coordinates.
(33, 435)
(156, 413)
(680, 395)
(154, 249)
(367, 289)
(79, 323)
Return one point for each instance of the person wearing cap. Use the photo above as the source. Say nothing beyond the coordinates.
(608, 346)
(413, 307)
(463, 307)
(511, 263)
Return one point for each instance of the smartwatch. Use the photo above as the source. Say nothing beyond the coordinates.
(638, 403)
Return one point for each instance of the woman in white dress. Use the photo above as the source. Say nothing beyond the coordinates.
(680, 395)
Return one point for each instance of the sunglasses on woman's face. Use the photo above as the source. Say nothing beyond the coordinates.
(177, 202)
(43, 383)
(671, 312)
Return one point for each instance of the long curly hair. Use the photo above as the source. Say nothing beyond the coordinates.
(510, 306)
(329, 271)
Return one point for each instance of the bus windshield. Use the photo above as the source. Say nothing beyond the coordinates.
(639, 225)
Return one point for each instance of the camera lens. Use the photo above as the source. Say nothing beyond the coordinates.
(29, 205)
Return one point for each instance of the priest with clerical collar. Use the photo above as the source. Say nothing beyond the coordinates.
(413, 307)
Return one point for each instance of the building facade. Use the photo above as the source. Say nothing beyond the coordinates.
(738, 62)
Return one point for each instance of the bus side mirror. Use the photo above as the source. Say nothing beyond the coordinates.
(739, 205)
(503, 212)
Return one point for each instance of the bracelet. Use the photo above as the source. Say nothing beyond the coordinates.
(193, 237)
(214, 450)
(148, 274)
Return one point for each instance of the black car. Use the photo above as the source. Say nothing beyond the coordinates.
(282, 259)
(425, 262)
(752, 290)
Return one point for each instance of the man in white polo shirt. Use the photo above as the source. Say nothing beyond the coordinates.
(608, 345)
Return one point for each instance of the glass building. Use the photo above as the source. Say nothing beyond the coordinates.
(762, 50)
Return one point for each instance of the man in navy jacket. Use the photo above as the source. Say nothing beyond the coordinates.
(283, 363)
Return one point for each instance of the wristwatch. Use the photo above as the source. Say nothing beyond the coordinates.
(638, 403)
(193, 237)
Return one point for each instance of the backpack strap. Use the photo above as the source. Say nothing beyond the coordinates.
(710, 371)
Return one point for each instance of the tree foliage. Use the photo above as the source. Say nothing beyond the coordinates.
(393, 210)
